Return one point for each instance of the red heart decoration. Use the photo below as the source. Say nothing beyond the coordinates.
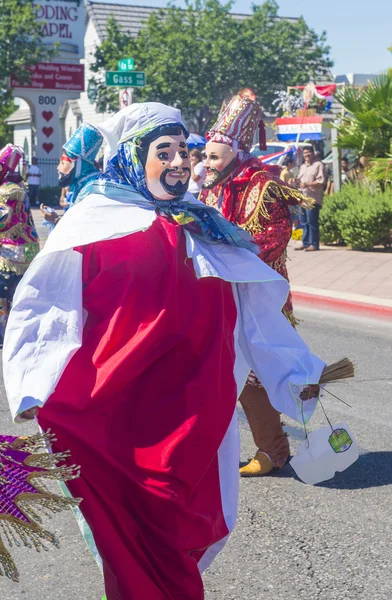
(47, 131)
(47, 115)
(47, 147)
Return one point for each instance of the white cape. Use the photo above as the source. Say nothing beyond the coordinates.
(46, 322)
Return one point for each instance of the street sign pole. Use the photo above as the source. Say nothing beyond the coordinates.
(125, 78)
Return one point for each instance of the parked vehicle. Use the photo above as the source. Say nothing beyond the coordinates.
(278, 148)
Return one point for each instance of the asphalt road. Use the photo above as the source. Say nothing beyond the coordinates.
(292, 541)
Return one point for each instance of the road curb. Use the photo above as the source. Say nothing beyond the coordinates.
(366, 309)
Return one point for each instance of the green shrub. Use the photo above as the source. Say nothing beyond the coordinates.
(359, 216)
(330, 216)
(367, 222)
(49, 196)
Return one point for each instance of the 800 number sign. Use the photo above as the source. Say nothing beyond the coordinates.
(47, 100)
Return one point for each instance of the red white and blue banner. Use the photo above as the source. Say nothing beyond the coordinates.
(308, 128)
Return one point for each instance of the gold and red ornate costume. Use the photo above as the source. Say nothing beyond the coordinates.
(256, 199)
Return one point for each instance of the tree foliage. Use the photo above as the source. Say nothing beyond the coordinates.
(196, 57)
(20, 39)
(20, 47)
(6, 109)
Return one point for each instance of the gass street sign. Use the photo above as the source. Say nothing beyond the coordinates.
(125, 79)
(126, 64)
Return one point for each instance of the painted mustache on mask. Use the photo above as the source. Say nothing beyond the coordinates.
(214, 176)
(180, 187)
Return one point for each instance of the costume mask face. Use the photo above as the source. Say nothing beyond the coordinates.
(65, 169)
(168, 167)
(220, 162)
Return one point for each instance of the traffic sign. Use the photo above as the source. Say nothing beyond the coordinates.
(125, 97)
(126, 64)
(124, 79)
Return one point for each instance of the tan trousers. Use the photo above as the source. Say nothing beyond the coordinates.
(264, 422)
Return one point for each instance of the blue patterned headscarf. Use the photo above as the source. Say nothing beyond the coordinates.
(83, 147)
(126, 168)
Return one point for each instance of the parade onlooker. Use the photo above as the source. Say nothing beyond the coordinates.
(33, 181)
(286, 173)
(345, 170)
(311, 180)
(51, 218)
(65, 198)
(198, 172)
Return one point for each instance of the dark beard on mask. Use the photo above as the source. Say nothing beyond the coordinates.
(179, 188)
(214, 176)
(65, 179)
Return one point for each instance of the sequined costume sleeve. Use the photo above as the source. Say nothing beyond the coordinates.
(275, 234)
(266, 216)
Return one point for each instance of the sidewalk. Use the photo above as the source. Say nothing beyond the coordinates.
(343, 279)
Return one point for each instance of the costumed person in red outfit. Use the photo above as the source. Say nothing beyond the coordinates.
(249, 194)
(135, 349)
(19, 242)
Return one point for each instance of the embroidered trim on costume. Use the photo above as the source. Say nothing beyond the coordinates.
(212, 199)
(31, 532)
(11, 191)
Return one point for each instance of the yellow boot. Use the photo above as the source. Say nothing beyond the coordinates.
(260, 465)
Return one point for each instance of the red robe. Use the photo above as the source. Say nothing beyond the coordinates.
(151, 388)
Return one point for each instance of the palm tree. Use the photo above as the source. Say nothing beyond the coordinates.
(366, 127)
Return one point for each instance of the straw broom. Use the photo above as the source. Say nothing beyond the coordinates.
(342, 369)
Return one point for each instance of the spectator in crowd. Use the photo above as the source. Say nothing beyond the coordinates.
(33, 181)
(311, 181)
(345, 170)
(65, 198)
(198, 172)
(286, 173)
(287, 176)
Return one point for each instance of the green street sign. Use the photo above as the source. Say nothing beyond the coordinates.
(126, 64)
(124, 79)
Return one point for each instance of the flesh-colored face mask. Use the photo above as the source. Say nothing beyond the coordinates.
(220, 162)
(168, 167)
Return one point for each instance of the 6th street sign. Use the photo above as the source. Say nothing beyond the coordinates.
(126, 64)
(125, 79)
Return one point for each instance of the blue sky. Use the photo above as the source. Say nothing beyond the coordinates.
(358, 31)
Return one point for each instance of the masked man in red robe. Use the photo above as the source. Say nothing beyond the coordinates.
(131, 337)
(248, 194)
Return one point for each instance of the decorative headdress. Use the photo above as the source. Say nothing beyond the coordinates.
(238, 122)
(134, 121)
(10, 156)
(84, 144)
